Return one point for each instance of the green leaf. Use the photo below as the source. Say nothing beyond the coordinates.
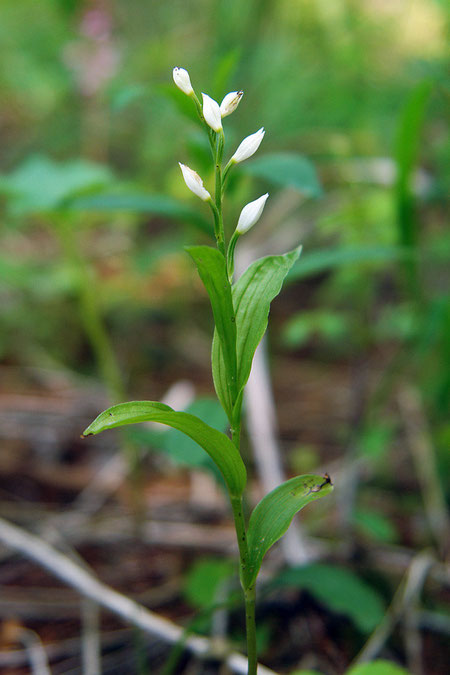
(252, 295)
(212, 269)
(376, 525)
(40, 184)
(406, 153)
(302, 327)
(217, 445)
(272, 516)
(181, 449)
(204, 580)
(141, 203)
(220, 377)
(339, 589)
(287, 170)
(379, 667)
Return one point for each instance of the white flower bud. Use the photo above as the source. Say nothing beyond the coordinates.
(211, 113)
(182, 80)
(194, 182)
(230, 102)
(249, 146)
(250, 214)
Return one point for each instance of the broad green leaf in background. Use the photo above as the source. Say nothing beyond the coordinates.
(252, 295)
(287, 170)
(379, 667)
(272, 516)
(141, 203)
(325, 324)
(339, 589)
(181, 449)
(40, 184)
(212, 269)
(204, 579)
(217, 445)
(375, 524)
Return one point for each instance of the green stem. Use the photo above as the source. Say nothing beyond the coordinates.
(249, 590)
(226, 171)
(217, 225)
(218, 191)
(97, 335)
(90, 315)
(250, 626)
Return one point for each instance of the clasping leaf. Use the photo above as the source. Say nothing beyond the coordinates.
(212, 269)
(252, 295)
(272, 516)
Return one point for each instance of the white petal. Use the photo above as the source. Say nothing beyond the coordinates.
(194, 182)
(182, 80)
(230, 102)
(249, 146)
(251, 213)
(211, 113)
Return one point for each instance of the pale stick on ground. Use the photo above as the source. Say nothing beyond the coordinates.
(88, 586)
(261, 423)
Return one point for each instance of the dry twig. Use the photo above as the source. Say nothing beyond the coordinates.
(89, 587)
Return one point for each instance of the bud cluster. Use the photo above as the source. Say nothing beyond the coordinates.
(212, 114)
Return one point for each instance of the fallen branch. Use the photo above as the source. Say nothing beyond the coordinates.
(89, 587)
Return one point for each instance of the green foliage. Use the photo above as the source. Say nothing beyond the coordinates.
(204, 581)
(212, 268)
(181, 448)
(252, 295)
(329, 326)
(379, 667)
(375, 524)
(158, 205)
(407, 148)
(286, 170)
(340, 590)
(272, 516)
(217, 445)
(40, 184)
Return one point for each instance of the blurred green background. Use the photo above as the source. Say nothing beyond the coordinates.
(94, 282)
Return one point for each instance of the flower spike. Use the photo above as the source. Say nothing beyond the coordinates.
(194, 183)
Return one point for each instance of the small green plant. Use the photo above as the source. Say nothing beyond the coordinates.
(240, 309)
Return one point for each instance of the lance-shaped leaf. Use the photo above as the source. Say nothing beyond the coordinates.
(217, 445)
(272, 516)
(212, 269)
(252, 295)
